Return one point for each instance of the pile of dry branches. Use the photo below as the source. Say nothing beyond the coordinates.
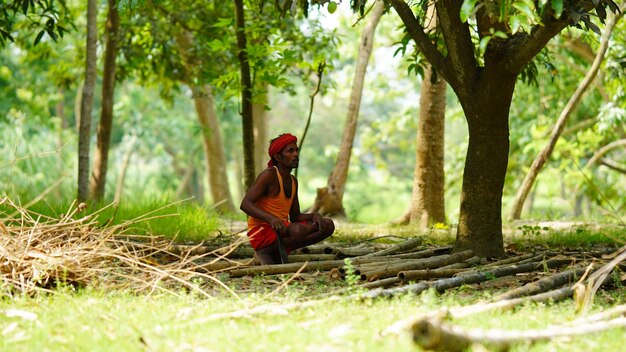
(38, 253)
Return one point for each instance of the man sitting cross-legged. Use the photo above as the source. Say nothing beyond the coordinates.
(275, 224)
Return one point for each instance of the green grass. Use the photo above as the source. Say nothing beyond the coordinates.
(183, 222)
(99, 321)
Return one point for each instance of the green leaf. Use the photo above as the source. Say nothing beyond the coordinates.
(482, 46)
(39, 36)
(332, 7)
(557, 6)
(466, 9)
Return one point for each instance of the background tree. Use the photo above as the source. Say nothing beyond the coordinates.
(559, 127)
(103, 141)
(87, 101)
(329, 200)
(483, 71)
(247, 121)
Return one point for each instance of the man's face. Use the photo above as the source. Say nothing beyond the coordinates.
(289, 156)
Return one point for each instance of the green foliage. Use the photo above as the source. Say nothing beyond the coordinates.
(44, 17)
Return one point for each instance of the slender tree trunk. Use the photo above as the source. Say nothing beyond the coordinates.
(329, 200)
(211, 136)
(571, 106)
(261, 141)
(213, 148)
(486, 107)
(101, 155)
(246, 97)
(84, 133)
(78, 102)
(428, 205)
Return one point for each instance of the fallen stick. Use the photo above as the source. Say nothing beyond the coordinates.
(543, 285)
(512, 260)
(464, 264)
(433, 334)
(426, 263)
(464, 279)
(293, 258)
(428, 274)
(313, 249)
(275, 269)
(406, 245)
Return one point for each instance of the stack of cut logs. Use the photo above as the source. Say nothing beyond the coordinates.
(409, 266)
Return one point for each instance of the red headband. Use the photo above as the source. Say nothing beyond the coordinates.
(279, 144)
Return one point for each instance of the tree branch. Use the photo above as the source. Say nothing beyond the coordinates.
(458, 41)
(419, 36)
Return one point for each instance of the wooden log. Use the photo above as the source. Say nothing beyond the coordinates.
(433, 334)
(464, 264)
(465, 279)
(543, 285)
(296, 258)
(352, 252)
(219, 265)
(427, 274)
(275, 269)
(426, 263)
(554, 295)
(431, 252)
(406, 245)
(511, 260)
(313, 249)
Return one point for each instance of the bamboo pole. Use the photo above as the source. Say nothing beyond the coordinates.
(465, 279)
(404, 246)
(464, 264)
(427, 274)
(427, 263)
(275, 269)
(542, 285)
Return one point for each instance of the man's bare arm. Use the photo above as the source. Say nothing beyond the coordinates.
(254, 194)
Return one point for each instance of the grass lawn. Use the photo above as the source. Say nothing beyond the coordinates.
(282, 313)
(115, 321)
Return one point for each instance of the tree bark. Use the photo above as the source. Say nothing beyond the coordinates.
(329, 200)
(101, 155)
(84, 131)
(485, 89)
(261, 140)
(246, 97)
(428, 203)
(571, 106)
(213, 149)
(214, 154)
(487, 113)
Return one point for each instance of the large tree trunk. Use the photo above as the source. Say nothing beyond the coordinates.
(428, 203)
(246, 97)
(571, 106)
(486, 108)
(213, 148)
(261, 141)
(84, 131)
(329, 200)
(101, 155)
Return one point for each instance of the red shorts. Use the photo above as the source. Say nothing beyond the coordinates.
(263, 235)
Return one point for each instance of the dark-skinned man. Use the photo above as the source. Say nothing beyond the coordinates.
(273, 208)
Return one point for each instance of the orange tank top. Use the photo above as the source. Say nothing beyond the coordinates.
(278, 205)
